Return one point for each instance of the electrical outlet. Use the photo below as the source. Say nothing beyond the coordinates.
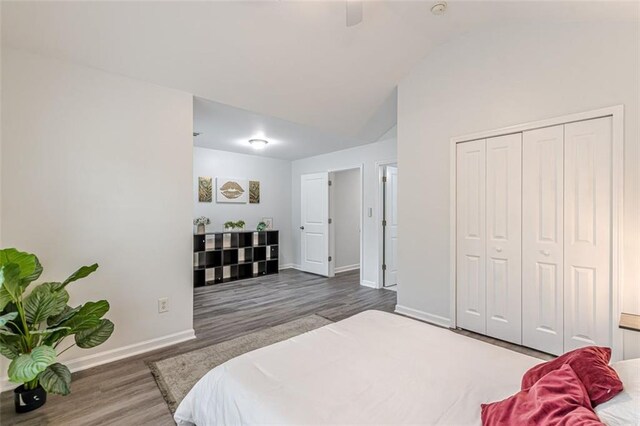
(163, 305)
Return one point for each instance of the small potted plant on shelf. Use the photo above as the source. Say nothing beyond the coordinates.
(33, 326)
(240, 224)
(201, 222)
(230, 225)
(261, 226)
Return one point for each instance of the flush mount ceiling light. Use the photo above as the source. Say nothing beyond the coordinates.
(258, 143)
(439, 8)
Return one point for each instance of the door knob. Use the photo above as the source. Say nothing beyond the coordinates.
(545, 252)
(302, 227)
(499, 249)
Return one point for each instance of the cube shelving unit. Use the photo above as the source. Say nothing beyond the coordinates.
(220, 257)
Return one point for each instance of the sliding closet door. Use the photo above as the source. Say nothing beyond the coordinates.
(542, 239)
(470, 234)
(587, 233)
(503, 248)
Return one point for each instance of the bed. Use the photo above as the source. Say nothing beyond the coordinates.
(372, 368)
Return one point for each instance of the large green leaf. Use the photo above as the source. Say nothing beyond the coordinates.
(5, 298)
(56, 379)
(26, 367)
(29, 265)
(10, 281)
(7, 317)
(48, 331)
(95, 336)
(44, 302)
(9, 346)
(67, 313)
(83, 272)
(87, 317)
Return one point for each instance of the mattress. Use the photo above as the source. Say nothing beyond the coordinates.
(372, 368)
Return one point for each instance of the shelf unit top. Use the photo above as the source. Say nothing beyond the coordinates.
(236, 232)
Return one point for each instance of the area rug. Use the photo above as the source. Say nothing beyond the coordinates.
(176, 376)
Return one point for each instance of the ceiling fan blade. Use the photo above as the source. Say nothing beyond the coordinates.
(354, 12)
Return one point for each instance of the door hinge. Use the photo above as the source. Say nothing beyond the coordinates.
(330, 221)
(384, 223)
(384, 267)
(384, 179)
(329, 183)
(330, 259)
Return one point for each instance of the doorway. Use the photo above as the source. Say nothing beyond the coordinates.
(345, 215)
(389, 225)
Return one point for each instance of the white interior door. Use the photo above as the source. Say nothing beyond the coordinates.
(391, 228)
(470, 235)
(314, 223)
(542, 239)
(504, 230)
(587, 233)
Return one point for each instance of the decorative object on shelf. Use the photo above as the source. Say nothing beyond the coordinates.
(205, 190)
(629, 321)
(32, 327)
(201, 222)
(230, 225)
(228, 256)
(261, 226)
(269, 222)
(254, 192)
(231, 190)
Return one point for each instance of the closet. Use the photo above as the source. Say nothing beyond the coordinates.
(534, 235)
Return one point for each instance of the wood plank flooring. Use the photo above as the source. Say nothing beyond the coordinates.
(124, 392)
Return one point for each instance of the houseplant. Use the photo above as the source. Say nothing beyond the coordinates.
(201, 222)
(32, 327)
(234, 225)
(261, 226)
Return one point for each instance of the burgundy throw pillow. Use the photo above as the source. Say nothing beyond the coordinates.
(591, 365)
(559, 398)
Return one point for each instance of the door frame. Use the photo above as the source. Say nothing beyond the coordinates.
(332, 245)
(380, 166)
(616, 112)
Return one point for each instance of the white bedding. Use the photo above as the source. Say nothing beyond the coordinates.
(372, 368)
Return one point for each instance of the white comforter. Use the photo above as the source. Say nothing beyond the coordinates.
(372, 368)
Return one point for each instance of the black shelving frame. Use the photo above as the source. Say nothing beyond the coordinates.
(220, 257)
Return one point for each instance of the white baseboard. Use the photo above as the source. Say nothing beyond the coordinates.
(353, 267)
(289, 266)
(424, 316)
(369, 284)
(116, 354)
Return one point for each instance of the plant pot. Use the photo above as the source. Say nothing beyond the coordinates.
(29, 399)
(201, 229)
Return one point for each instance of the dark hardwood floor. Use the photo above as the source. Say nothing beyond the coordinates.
(124, 392)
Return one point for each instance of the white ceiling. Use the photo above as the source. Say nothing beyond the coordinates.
(293, 60)
(229, 129)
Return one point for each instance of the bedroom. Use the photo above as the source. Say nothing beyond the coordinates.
(97, 146)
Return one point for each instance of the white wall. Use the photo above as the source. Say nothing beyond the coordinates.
(345, 209)
(493, 79)
(275, 192)
(366, 155)
(98, 168)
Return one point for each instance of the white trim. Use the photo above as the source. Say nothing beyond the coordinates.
(378, 215)
(423, 316)
(368, 283)
(288, 266)
(617, 208)
(347, 268)
(116, 354)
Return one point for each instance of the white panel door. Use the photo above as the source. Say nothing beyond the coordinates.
(587, 233)
(504, 230)
(470, 235)
(391, 228)
(542, 239)
(314, 223)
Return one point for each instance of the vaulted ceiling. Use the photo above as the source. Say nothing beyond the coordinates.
(297, 61)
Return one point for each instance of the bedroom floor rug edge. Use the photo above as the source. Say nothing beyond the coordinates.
(176, 375)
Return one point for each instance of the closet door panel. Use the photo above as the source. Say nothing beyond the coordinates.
(542, 239)
(504, 229)
(470, 235)
(587, 233)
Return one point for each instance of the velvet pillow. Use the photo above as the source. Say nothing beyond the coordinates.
(559, 398)
(591, 365)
